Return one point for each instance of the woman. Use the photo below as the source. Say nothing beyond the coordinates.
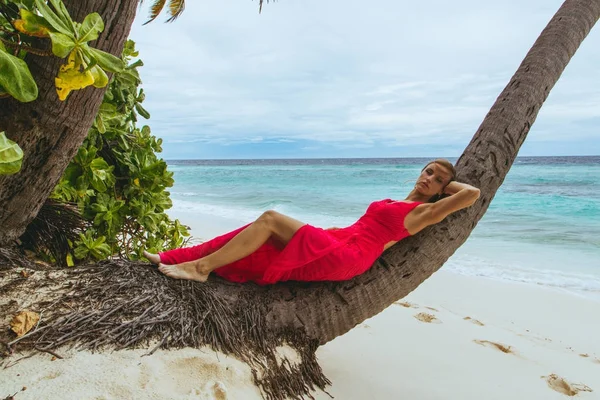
(278, 248)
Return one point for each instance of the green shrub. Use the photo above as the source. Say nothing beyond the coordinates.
(118, 181)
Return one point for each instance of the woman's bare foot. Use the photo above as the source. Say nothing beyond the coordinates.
(154, 258)
(189, 270)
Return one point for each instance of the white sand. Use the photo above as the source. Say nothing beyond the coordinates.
(393, 355)
(185, 374)
(551, 335)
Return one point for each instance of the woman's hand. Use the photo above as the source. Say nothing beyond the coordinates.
(455, 187)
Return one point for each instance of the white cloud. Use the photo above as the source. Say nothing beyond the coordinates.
(348, 73)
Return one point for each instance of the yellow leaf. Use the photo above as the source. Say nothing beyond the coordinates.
(70, 262)
(31, 24)
(136, 181)
(23, 322)
(72, 76)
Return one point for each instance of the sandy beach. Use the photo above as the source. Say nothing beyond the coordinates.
(458, 337)
(455, 337)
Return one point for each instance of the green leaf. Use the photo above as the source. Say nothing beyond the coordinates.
(72, 172)
(62, 44)
(99, 241)
(81, 252)
(100, 123)
(99, 208)
(82, 183)
(142, 111)
(52, 18)
(100, 77)
(28, 4)
(90, 28)
(129, 49)
(141, 96)
(101, 251)
(130, 77)
(99, 164)
(16, 79)
(107, 61)
(138, 63)
(63, 14)
(11, 156)
(101, 175)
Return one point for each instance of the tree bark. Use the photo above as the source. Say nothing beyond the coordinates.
(328, 310)
(50, 131)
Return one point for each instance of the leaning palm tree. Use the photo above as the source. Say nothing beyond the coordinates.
(310, 314)
(329, 310)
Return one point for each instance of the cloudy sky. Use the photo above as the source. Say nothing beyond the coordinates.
(350, 78)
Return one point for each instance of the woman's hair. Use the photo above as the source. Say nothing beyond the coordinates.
(448, 166)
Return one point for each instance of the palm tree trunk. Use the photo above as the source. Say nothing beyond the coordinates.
(50, 131)
(329, 310)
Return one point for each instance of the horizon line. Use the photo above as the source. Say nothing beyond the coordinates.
(358, 158)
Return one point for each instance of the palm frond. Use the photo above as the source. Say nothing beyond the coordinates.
(260, 4)
(156, 9)
(176, 7)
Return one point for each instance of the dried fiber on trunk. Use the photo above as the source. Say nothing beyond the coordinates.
(54, 226)
(121, 304)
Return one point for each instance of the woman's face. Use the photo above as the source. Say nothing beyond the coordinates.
(433, 179)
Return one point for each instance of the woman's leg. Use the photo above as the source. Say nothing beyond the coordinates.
(185, 254)
(270, 224)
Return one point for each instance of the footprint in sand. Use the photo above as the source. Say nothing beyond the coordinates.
(474, 321)
(561, 385)
(406, 304)
(497, 346)
(220, 391)
(586, 355)
(52, 375)
(424, 317)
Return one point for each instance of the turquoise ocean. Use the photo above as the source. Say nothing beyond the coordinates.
(542, 228)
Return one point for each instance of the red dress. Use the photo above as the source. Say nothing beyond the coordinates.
(313, 254)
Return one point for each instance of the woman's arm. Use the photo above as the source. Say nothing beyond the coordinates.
(462, 195)
(455, 187)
